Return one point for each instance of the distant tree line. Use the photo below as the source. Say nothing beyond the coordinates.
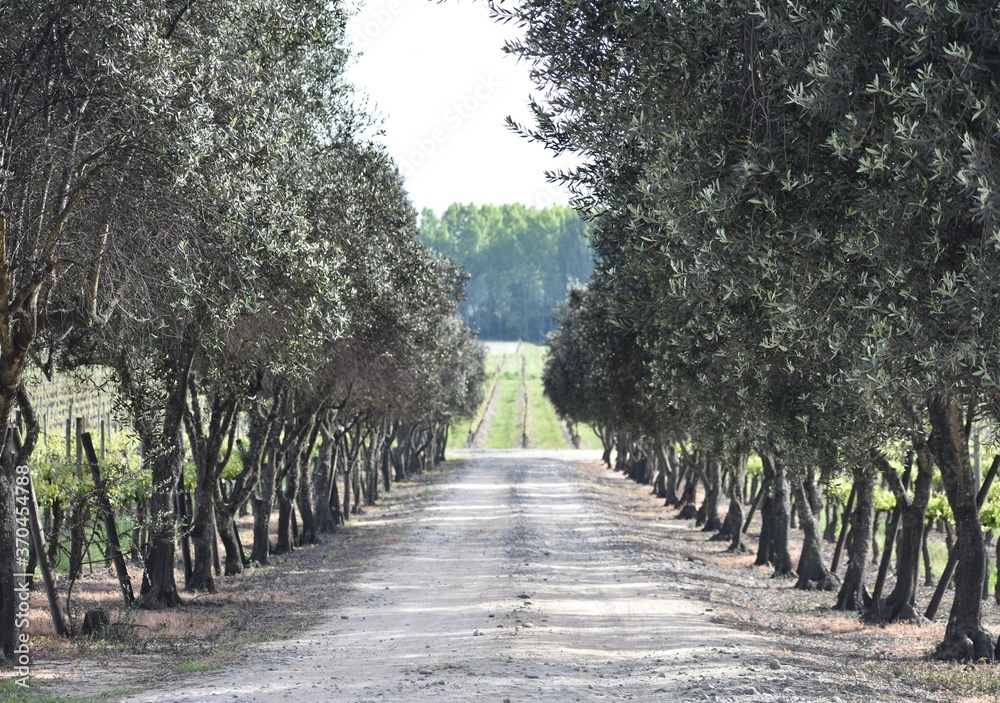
(520, 261)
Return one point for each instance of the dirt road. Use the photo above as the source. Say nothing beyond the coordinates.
(515, 585)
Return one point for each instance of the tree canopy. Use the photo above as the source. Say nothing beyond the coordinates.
(188, 199)
(794, 212)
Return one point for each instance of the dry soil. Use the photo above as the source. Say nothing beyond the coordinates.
(521, 580)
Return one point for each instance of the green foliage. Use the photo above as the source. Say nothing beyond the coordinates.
(505, 425)
(795, 211)
(884, 499)
(11, 692)
(56, 478)
(193, 666)
(232, 468)
(520, 260)
(990, 514)
(938, 508)
(816, 263)
(189, 204)
(839, 489)
(545, 430)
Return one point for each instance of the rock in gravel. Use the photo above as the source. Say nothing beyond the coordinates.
(527, 624)
(477, 633)
(774, 664)
(425, 672)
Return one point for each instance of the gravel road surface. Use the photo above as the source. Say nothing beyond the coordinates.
(514, 584)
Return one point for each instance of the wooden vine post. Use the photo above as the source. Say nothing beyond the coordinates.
(114, 549)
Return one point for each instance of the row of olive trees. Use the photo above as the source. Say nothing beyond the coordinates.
(795, 209)
(186, 199)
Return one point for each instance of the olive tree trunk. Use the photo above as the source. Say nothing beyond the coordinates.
(773, 544)
(901, 604)
(813, 574)
(852, 589)
(159, 586)
(965, 638)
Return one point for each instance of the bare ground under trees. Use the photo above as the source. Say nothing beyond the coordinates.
(520, 576)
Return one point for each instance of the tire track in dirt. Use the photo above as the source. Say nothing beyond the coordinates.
(483, 429)
(515, 584)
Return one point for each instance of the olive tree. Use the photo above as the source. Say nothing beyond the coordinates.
(823, 171)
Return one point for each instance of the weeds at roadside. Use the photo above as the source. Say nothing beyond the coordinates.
(192, 666)
(10, 692)
(967, 680)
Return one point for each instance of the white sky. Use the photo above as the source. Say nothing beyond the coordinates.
(437, 74)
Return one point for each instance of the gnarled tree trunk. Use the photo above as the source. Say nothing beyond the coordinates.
(708, 514)
(900, 604)
(852, 588)
(773, 545)
(159, 587)
(813, 574)
(285, 495)
(307, 534)
(226, 528)
(965, 638)
(733, 527)
(203, 539)
(325, 485)
(262, 510)
(211, 447)
(688, 509)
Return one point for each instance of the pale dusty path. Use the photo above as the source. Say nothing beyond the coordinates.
(514, 585)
